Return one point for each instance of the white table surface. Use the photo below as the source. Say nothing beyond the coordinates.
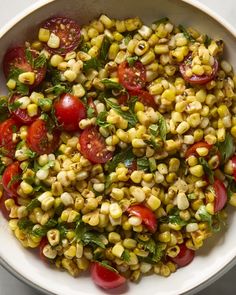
(11, 286)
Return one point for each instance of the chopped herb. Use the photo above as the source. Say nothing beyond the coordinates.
(45, 103)
(127, 115)
(34, 203)
(173, 218)
(163, 20)
(204, 215)
(152, 164)
(125, 256)
(92, 238)
(54, 75)
(121, 157)
(4, 112)
(42, 231)
(85, 47)
(106, 264)
(25, 224)
(92, 63)
(14, 106)
(131, 102)
(14, 128)
(127, 38)
(186, 33)
(22, 88)
(14, 73)
(231, 186)
(208, 171)
(207, 41)
(58, 89)
(40, 61)
(143, 163)
(90, 112)
(49, 165)
(63, 230)
(29, 57)
(131, 60)
(106, 43)
(156, 250)
(154, 129)
(226, 148)
(13, 180)
(109, 84)
(162, 128)
(102, 120)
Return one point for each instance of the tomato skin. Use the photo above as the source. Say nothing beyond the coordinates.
(16, 58)
(7, 128)
(104, 277)
(220, 195)
(195, 79)
(145, 98)
(191, 151)
(37, 138)
(93, 146)
(12, 171)
(69, 111)
(184, 257)
(19, 114)
(67, 30)
(233, 160)
(147, 216)
(133, 78)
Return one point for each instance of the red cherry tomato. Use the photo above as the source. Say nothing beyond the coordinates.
(132, 77)
(19, 114)
(40, 140)
(191, 151)
(123, 98)
(195, 79)
(93, 146)
(68, 32)
(3, 208)
(106, 278)
(7, 128)
(148, 217)
(145, 98)
(69, 111)
(11, 178)
(16, 58)
(131, 165)
(184, 257)
(233, 160)
(220, 195)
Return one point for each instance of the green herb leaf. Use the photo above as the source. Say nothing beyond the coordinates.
(58, 89)
(63, 230)
(131, 102)
(106, 43)
(131, 60)
(25, 224)
(143, 163)
(207, 41)
(15, 105)
(120, 158)
(127, 115)
(154, 129)
(204, 215)
(109, 84)
(163, 20)
(156, 250)
(29, 57)
(231, 186)
(4, 111)
(34, 203)
(45, 103)
(102, 120)
(162, 128)
(90, 112)
(125, 256)
(42, 231)
(107, 265)
(85, 47)
(20, 87)
(186, 33)
(13, 180)
(127, 38)
(92, 238)
(226, 148)
(40, 61)
(208, 171)
(92, 63)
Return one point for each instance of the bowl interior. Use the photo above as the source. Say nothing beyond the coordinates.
(219, 251)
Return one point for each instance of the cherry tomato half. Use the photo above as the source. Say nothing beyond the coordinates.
(93, 146)
(11, 178)
(233, 160)
(69, 111)
(195, 79)
(19, 114)
(3, 208)
(68, 32)
(184, 257)
(220, 195)
(7, 128)
(192, 150)
(132, 77)
(16, 58)
(148, 217)
(40, 140)
(104, 277)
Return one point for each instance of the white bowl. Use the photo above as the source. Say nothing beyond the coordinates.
(218, 254)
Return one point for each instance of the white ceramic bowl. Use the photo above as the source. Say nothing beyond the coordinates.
(219, 253)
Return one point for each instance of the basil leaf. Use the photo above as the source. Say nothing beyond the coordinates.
(40, 61)
(109, 84)
(92, 63)
(208, 171)
(143, 163)
(34, 203)
(226, 148)
(106, 43)
(127, 115)
(121, 157)
(186, 33)
(102, 120)
(163, 20)
(92, 238)
(131, 60)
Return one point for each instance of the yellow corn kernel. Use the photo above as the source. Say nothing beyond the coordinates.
(43, 35)
(27, 78)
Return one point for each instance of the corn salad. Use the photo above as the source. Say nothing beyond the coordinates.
(139, 170)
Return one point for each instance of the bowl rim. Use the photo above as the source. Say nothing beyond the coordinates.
(194, 3)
